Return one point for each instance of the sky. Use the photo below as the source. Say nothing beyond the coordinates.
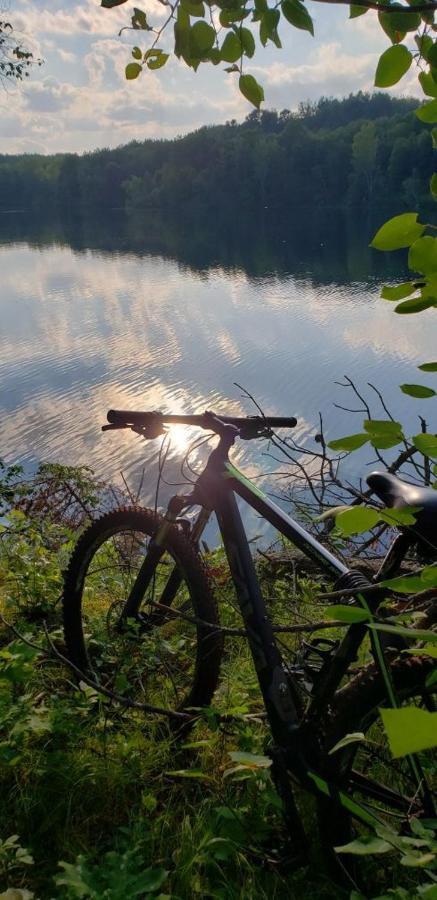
(79, 99)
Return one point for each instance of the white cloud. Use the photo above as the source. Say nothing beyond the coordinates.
(80, 100)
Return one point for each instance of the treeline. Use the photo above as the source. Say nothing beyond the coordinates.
(359, 152)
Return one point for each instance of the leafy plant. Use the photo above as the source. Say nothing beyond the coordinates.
(418, 852)
(226, 38)
(116, 877)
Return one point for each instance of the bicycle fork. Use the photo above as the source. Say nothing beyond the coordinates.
(147, 570)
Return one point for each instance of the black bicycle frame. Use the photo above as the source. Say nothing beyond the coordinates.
(215, 491)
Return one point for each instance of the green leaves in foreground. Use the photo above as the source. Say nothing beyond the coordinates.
(405, 231)
(297, 14)
(427, 444)
(409, 729)
(419, 391)
(154, 59)
(413, 584)
(392, 65)
(351, 615)
(400, 231)
(380, 433)
(251, 90)
(357, 519)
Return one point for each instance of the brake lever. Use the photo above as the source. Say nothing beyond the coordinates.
(148, 432)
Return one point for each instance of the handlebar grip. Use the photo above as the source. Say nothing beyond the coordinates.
(126, 416)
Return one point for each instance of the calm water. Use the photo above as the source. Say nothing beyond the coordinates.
(136, 315)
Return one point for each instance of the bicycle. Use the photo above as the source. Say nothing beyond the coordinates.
(116, 628)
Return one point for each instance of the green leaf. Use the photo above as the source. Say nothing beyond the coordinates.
(251, 760)
(401, 231)
(409, 729)
(427, 650)
(269, 21)
(248, 41)
(404, 516)
(427, 444)
(404, 584)
(231, 49)
(202, 37)
(132, 71)
(433, 184)
(383, 433)
(356, 11)
(214, 56)
(348, 443)
(392, 65)
(139, 20)
(417, 390)
(398, 292)
(353, 738)
(197, 774)
(158, 62)
(424, 43)
(417, 859)
(352, 615)
(109, 4)
(427, 112)
(429, 575)
(357, 519)
(297, 14)
(396, 24)
(365, 846)
(151, 880)
(422, 255)
(412, 634)
(384, 442)
(429, 86)
(251, 90)
(229, 16)
(136, 53)
(382, 426)
(431, 681)
(428, 367)
(415, 305)
(193, 8)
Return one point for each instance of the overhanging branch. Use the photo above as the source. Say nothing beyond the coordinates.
(385, 7)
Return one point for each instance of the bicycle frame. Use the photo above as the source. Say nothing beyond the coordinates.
(215, 491)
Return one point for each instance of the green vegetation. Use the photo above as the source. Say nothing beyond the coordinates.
(227, 39)
(360, 153)
(99, 801)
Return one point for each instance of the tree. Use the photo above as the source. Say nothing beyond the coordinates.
(364, 147)
(15, 57)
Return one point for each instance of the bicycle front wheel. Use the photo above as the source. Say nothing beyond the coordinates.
(162, 649)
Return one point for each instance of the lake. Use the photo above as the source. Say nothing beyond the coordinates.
(144, 314)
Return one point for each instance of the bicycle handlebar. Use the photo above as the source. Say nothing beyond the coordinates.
(251, 426)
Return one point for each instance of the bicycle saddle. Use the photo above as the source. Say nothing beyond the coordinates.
(396, 493)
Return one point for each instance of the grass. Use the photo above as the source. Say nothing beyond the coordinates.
(107, 803)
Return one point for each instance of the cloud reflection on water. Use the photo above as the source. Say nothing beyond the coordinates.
(84, 331)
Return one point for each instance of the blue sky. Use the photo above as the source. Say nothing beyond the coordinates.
(79, 99)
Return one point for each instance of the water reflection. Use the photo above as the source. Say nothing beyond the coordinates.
(138, 314)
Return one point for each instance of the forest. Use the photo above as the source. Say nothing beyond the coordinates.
(356, 153)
